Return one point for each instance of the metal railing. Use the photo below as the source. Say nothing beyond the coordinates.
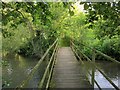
(94, 51)
(48, 68)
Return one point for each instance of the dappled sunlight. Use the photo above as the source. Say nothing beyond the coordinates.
(78, 8)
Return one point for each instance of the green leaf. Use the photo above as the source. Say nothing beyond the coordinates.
(86, 6)
(71, 13)
(81, 2)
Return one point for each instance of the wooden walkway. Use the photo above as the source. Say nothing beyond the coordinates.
(68, 71)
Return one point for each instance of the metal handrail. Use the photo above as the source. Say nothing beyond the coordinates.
(97, 66)
(25, 82)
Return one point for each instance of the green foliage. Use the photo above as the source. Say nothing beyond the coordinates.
(101, 30)
(65, 41)
(107, 11)
(20, 21)
(29, 28)
(4, 63)
(86, 6)
(104, 10)
(110, 45)
(19, 36)
(38, 50)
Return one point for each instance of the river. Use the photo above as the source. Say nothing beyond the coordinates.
(17, 69)
(112, 70)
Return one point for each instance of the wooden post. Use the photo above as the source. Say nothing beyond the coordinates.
(93, 55)
(71, 42)
(93, 68)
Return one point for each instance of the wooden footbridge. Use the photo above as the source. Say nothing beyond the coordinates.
(65, 69)
(68, 72)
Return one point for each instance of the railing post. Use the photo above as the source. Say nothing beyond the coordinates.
(93, 68)
(93, 55)
(71, 43)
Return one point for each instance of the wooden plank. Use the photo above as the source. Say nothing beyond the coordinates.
(68, 73)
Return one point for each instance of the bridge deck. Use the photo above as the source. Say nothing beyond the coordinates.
(68, 72)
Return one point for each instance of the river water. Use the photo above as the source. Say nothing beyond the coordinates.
(17, 69)
(112, 70)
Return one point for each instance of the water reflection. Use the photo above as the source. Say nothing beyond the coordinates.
(109, 68)
(102, 80)
(17, 70)
(37, 76)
